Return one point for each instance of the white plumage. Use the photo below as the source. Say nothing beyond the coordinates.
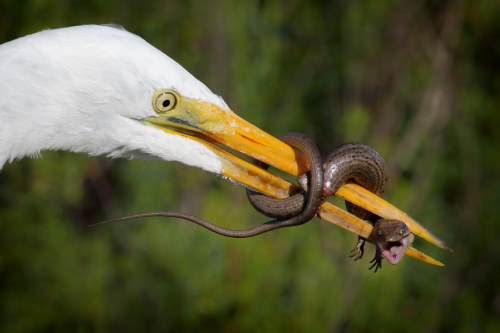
(84, 88)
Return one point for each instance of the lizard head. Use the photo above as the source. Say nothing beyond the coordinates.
(392, 237)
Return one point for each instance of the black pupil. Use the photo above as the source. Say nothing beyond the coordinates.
(166, 103)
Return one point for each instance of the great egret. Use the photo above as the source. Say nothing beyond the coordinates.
(104, 91)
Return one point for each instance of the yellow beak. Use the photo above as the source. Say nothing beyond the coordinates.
(219, 128)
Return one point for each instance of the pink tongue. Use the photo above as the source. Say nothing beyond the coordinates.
(395, 251)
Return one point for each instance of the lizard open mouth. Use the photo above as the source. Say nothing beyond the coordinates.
(395, 251)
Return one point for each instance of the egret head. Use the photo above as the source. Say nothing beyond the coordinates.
(105, 91)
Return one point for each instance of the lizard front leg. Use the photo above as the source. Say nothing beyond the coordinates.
(358, 250)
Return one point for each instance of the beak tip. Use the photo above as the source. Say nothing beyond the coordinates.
(445, 246)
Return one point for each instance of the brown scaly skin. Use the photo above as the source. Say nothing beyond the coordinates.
(361, 164)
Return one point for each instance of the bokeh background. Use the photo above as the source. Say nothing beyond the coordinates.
(417, 80)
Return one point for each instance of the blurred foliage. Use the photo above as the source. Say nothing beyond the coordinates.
(417, 80)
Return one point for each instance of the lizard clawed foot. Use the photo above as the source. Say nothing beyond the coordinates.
(377, 261)
(359, 249)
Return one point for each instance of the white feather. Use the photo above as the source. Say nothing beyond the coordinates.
(84, 88)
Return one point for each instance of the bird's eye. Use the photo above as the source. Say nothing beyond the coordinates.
(164, 100)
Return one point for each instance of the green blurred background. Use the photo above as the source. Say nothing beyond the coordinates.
(417, 80)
